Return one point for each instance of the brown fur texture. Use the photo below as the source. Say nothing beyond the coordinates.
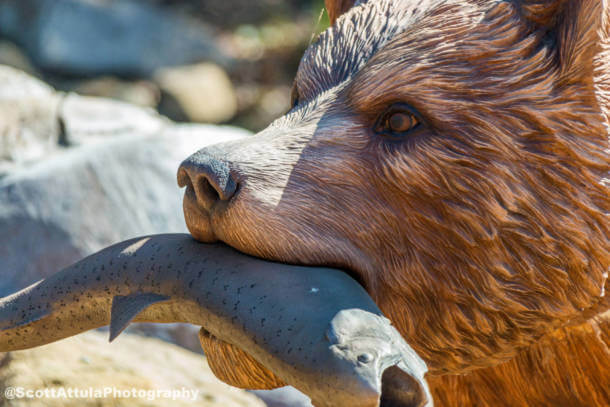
(337, 7)
(236, 367)
(484, 234)
(568, 367)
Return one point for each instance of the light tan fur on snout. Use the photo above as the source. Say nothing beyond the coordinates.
(483, 235)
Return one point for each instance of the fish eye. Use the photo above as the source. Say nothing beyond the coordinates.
(365, 358)
(396, 121)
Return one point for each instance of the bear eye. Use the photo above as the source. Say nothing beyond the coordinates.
(294, 95)
(397, 121)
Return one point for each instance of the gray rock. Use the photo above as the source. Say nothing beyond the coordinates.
(81, 37)
(98, 172)
(36, 122)
(63, 208)
(86, 119)
(283, 397)
(29, 128)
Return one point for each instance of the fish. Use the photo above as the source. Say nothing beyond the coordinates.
(314, 328)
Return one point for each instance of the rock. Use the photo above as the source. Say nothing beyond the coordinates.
(90, 37)
(98, 172)
(184, 335)
(275, 101)
(36, 121)
(260, 105)
(283, 397)
(76, 202)
(203, 92)
(141, 93)
(88, 119)
(11, 55)
(131, 362)
(29, 128)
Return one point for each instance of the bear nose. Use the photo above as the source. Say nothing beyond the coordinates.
(209, 176)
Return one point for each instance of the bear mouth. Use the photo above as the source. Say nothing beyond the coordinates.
(200, 225)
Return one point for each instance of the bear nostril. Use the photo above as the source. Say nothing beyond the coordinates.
(206, 190)
(209, 177)
(183, 178)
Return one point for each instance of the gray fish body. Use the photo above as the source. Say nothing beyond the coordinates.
(315, 328)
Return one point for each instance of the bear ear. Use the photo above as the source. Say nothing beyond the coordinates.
(578, 30)
(337, 7)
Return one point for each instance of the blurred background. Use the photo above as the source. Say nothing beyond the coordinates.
(170, 55)
(88, 158)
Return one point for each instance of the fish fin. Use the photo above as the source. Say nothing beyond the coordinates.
(126, 308)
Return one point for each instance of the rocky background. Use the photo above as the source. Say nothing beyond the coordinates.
(167, 54)
(99, 102)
